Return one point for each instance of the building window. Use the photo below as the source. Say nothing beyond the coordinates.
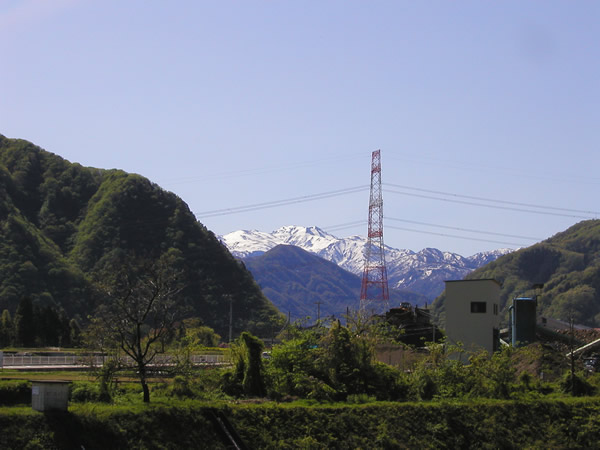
(495, 309)
(478, 307)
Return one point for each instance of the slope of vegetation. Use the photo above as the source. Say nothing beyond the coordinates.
(489, 424)
(567, 264)
(322, 388)
(61, 224)
(295, 280)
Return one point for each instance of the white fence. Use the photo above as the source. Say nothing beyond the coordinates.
(98, 360)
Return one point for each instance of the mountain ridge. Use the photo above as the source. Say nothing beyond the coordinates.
(296, 281)
(62, 225)
(423, 272)
(566, 266)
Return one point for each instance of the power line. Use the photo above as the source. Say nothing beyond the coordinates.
(469, 230)
(510, 171)
(454, 236)
(284, 202)
(344, 226)
(506, 208)
(505, 202)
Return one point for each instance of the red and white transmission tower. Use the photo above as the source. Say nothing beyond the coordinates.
(374, 293)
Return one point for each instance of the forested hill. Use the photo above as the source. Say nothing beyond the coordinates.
(61, 223)
(296, 281)
(568, 264)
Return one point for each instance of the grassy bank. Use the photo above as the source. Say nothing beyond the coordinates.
(566, 423)
(481, 424)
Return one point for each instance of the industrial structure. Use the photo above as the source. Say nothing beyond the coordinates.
(472, 314)
(413, 325)
(374, 293)
(523, 321)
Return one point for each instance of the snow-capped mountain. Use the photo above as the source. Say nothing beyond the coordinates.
(423, 272)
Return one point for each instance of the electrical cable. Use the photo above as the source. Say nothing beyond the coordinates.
(343, 226)
(454, 236)
(464, 229)
(471, 197)
(507, 208)
(284, 202)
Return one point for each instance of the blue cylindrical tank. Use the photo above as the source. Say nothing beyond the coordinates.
(523, 320)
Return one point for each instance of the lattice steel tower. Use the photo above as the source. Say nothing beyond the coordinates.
(374, 293)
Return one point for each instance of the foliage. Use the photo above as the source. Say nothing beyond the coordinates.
(194, 336)
(331, 364)
(576, 384)
(535, 423)
(82, 392)
(141, 306)
(567, 264)
(472, 424)
(247, 377)
(62, 224)
(296, 280)
(14, 392)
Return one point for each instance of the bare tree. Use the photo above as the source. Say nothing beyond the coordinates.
(141, 304)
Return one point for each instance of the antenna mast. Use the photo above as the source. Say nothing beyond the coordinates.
(374, 293)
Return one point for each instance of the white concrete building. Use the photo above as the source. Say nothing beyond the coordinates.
(472, 313)
(50, 395)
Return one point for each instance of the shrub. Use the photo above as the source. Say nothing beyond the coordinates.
(82, 391)
(576, 385)
(181, 387)
(14, 392)
(387, 383)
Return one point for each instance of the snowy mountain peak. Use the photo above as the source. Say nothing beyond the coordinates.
(423, 272)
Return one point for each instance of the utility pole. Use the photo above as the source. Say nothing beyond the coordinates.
(230, 317)
(319, 303)
(572, 358)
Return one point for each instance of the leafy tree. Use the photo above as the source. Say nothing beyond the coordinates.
(141, 305)
(74, 333)
(332, 364)
(6, 329)
(346, 360)
(24, 323)
(576, 384)
(247, 376)
(61, 223)
(196, 335)
(253, 382)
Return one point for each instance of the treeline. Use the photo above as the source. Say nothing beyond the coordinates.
(338, 363)
(38, 326)
(567, 265)
(62, 224)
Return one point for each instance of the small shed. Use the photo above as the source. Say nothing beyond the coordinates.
(50, 395)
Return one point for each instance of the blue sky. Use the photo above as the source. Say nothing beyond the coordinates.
(230, 104)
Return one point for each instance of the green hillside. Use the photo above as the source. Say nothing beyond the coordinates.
(295, 280)
(568, 264)
(61, 224)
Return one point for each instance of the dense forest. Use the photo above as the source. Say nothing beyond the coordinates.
(567, 264)
(62, 225)
(296, 281)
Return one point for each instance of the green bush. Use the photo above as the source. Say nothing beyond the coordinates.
(83, 391)
(15, 392)
(576, 385)
(181, 387)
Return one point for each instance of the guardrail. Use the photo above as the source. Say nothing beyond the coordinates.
(98, 360)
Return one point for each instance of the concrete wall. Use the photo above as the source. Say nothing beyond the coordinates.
(50, 395)
(464, 320)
